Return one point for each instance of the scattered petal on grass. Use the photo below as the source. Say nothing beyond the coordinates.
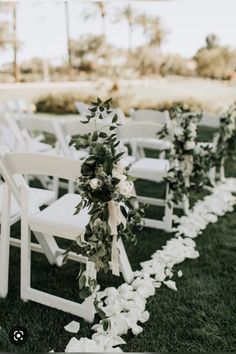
(73, 327)
(170, 284)
(180, 273)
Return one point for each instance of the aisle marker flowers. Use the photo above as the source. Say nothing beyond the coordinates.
(189, 161)
(107, 192)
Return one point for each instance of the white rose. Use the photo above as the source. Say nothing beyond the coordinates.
(126, 188)
(179, 132)
(189, 145)
(95, 183)
(120, 166)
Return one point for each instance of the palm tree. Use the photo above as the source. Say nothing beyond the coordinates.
(8, 36)
(97, 8)
(4, 33)
(143, 21)
(128, 14)
(152, 29)
(156, 33)
(15, 43)
(67, 17)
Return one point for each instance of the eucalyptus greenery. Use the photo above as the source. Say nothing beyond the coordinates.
(189, 161)
(104, 178)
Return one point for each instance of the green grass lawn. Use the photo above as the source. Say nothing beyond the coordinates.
(199, 317)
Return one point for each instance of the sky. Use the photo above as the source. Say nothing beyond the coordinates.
(41, 25)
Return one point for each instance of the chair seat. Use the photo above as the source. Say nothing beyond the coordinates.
(38, 146)
(155, 144)
(58, 219)
(38, 197)
(79, 154)
(150, 169)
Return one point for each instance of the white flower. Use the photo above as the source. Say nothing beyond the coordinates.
(120, 166)
(117, 174)
(189, 145)
(179, 132)
(95, 183)
(126, 188)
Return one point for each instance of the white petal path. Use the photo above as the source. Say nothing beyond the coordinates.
(125, 306)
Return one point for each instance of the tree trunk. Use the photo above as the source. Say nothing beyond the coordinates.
(104, 25)
(68, 35)
(130, 36)
(15, 66)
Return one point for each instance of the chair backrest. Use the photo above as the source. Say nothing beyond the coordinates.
(210, 120)
(14, 164)
(134, 130)
(150, 115)
(82, 108)
(15, 129)
(37, 124)
(73, 127)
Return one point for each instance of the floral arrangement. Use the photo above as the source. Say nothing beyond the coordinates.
(189, 161)
(226, 140)
(107, 191)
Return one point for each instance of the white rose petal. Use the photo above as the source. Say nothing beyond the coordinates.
(73, 327)
(170, 284)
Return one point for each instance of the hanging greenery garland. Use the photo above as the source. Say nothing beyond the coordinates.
(226, 140)
(189, 161)
(107, 192)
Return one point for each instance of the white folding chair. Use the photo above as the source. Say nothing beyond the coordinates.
(155, 117)
(57, 219)
(151, 170)
(140, 135)
(22, 128)
(10, 213)
(151, 116)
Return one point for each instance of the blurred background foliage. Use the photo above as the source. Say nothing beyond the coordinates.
(90, 56)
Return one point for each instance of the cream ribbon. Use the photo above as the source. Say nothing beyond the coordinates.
(187, 168)
(114, 220)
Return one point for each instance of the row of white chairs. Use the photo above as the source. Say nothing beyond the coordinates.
(57, 219)
(136, 133)
(18, 201)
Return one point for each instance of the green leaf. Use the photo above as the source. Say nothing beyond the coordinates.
(105, 324)
(82, 281)
(103, 135)
(85, 292)
(115, 118)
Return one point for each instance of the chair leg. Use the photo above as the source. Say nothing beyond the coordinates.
(222, 171)
(71, 186)
(25, 247)
(5, 244)
(124, 262)
(212, 176)
(168, 217)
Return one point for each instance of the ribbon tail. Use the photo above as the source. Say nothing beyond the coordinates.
(114, 257)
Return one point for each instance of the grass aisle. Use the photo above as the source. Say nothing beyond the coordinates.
(199, 317)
